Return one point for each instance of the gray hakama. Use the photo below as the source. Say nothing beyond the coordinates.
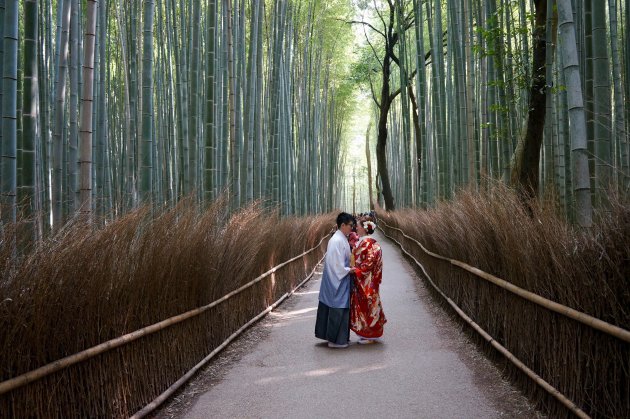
(333, 311)
(333, 324)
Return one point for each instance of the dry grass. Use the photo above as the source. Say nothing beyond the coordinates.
(537, 250)
(87, 285)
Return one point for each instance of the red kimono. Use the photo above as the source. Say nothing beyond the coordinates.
(366, 312)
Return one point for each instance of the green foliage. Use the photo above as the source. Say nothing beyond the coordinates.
(365, 66)
(496, 42)
(499, 108)
(558, 89)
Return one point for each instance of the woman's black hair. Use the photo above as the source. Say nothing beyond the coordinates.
(345, 218)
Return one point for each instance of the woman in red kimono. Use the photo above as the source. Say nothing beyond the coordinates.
(366, 312)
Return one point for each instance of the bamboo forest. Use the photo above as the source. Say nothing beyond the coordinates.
(108, 105)
(178, 168)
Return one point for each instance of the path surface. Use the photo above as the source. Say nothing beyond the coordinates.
(424, 367)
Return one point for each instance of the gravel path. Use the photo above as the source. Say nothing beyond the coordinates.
(423, 368)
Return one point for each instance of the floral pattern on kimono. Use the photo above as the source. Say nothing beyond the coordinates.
(366, 312)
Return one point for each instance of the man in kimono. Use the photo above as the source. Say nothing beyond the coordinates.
(333, 312)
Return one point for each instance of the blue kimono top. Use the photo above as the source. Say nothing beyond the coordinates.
(335, 288)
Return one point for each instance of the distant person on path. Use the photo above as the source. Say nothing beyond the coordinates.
(366, 312)
(333, 312)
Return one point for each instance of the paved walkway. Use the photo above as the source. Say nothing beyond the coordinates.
(424, 368)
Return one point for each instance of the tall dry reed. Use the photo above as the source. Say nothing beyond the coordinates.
(87, 285)
(535, 249)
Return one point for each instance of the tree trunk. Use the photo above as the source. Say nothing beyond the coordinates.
(386, 101)
(421, 138)
(368, 158)
(526, 159)
(381, 142)
(418, 132)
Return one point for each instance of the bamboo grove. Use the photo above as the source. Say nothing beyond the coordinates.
(532, 92)
(107, 105)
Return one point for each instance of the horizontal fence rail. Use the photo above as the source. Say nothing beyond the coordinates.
(148, 409)
(45, 370)
(508, 355)
(569, 312)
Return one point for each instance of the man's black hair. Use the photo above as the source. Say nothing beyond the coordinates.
(345, 218)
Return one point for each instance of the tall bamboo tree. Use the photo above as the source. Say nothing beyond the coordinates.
(193, 98)
(601, 101)
(621, 141)
(71, 152)
(251, 134)
(30, 102)
(626, 148)
(87, 105)
(9, 115)
(146, 149)
(233, 171)
(210, 132)
(2, 12)
(103, 168)
(470, 111)
(59, 121)
(581, 180)
(421, 86)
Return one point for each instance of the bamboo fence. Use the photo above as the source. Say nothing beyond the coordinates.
(508, 355)
(22, 381)
(591, 321)
(615, 332)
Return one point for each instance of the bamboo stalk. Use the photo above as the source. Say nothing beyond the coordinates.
(45, 370)
(583, 318)
(177, 384)
(531, 374)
